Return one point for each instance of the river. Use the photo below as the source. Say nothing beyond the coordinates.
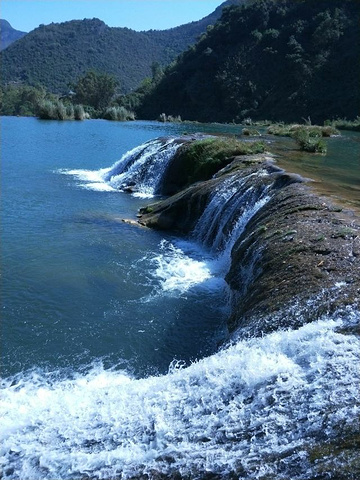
(110, 333)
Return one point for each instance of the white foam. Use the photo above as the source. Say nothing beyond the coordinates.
(90, 179)
(141, 168)
(177, 271)
(259, 403)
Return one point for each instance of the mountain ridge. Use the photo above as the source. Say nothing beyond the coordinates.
(267, 60)
(57, 54)
(8, 34)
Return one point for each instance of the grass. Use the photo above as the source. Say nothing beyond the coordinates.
(56, 110)
(344, 124)
(251, 132)
(309, 140)
(120, 114)
(289, 130)
(203, 158)
(308, 137)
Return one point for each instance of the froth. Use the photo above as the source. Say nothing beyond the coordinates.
(257, 405)
(90, 179)
(178, 271)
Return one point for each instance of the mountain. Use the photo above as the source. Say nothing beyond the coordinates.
(277, 60)
(56, 55)
(8, 35)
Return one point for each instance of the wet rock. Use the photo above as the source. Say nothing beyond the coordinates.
(298, 254)
(300, 260)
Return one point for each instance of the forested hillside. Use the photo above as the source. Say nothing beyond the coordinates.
(273, 59)
(8, 34)
(56, 55)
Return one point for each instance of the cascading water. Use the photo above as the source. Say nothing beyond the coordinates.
(229, 210)
(140, 170)
(259, 408)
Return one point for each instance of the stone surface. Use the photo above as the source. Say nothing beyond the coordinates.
(298, 258)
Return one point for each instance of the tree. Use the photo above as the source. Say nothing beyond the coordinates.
(95, 89)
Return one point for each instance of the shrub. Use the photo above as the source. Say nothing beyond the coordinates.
(279, 129)
(343, 124)
(168, 118)
(55, 110)
(46, 110)
(313, 131)
(79, 112)
(251, 132)
(309, 140)
(118, 114)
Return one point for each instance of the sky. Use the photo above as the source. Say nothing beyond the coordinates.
(25, 15)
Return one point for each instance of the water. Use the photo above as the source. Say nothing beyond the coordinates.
(336, 174)
(78, 283)
(110, 333)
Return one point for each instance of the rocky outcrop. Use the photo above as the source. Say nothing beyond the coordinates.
(299, 252)
(297, 258)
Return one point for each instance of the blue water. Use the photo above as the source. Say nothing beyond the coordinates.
(110, 335)
(78, 284)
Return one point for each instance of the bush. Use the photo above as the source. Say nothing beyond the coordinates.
(56, 110)
(119, 114)
(309, 140)
(168, 118)
(79, 112)
(251, 132)
(313, 131)
(343, 124)
(47, 110)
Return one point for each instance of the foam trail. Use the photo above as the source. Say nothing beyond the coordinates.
(257, 407)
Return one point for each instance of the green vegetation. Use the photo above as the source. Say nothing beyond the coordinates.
(251, 132)
(168, 118)
(118, 114)
(267, 59)
(56, 55)
(57, 110)
(94, 99)
(343, 124)
(95, 89)
(203, 158)
(308, 137)
(21, 100)
(281, 129)
(309, 142)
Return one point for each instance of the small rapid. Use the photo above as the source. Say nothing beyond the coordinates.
(254, 408)
(139, 170)
(258, 407)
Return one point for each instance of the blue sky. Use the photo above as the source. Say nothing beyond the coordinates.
(25, 15)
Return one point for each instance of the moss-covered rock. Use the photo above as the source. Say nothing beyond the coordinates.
(200, 159)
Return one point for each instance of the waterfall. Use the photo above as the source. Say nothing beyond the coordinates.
(232, 205)
(278, 405)
(140, 170)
